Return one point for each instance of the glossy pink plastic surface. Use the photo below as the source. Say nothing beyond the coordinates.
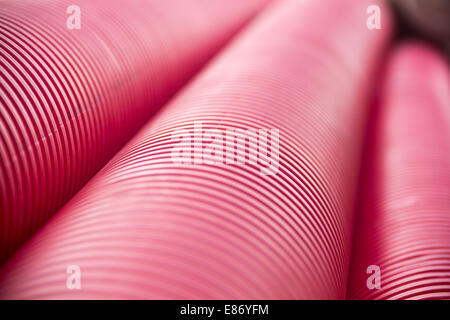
(71, 98)
(403, 222)
(147, 227)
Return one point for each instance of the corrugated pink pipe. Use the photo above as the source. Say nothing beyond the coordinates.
(148, 226)
(70, 98)
(403, 225)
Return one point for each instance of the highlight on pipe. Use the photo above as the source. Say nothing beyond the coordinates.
(224, 149)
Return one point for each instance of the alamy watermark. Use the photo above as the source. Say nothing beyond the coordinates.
(374, 20)
(374, 280)
(229, 146)
(73, 281)
(74, 20)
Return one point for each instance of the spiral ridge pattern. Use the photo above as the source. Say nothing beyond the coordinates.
(149, 225)
(71, 98)
(403, 222)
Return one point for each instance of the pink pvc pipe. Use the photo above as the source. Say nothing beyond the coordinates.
(70, 98)
(148, 226)
(404, 220)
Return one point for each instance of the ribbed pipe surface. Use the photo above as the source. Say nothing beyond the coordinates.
(403, 222)
(70, 98)
(147, 226)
